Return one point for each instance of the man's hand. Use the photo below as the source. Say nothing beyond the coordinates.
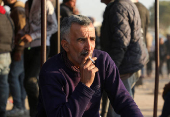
(26, 39)
(87, 72)
(17, 38)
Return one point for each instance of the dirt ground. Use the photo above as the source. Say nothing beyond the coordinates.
(144, 95)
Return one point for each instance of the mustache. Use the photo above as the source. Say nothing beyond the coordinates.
(84, 53)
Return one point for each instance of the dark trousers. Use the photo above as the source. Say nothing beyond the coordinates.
(168, 66)
(32, 64)
(4, 90)
(16, 83)
(149, 67)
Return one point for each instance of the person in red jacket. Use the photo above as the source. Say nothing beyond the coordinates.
(16, 74)
(6, 40)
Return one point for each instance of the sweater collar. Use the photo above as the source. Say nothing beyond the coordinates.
(2, 10)
(68, 63)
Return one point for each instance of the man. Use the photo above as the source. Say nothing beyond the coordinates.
(72, 82)
(67, 8)
(121, 37)
(31, 36)
(16, 75)
(6, 35)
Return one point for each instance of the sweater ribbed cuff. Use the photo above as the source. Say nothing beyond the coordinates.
(82, 88)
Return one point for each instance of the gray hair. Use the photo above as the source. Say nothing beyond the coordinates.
(68, 21)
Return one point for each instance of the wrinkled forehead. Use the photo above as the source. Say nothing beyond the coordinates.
(81, 30)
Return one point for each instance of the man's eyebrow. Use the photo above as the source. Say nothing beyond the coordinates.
(81, 38)
(86, 38)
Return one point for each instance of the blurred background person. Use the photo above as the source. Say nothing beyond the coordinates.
(16, 75)
(30, 36)
(144, 15)
(121, 37)
(151, 51)
(67, 8)
(167, 44)
(6, 42)
(162, 54)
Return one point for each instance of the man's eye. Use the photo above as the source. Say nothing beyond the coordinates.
(93, 39)
(81, 39)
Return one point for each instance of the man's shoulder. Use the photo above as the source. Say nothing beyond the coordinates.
(64, 8)
(119, 5)
(103, 59)
(101, 55)
(141, 7)
(122, 2)
(99, 52)
(53, 63)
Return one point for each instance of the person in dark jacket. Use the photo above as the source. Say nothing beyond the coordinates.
(30, 37)
(121, 37)
(72, 82)
(16, 74)
(67, 8)
(6, 40)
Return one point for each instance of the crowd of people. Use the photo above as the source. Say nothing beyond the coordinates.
(90, 67)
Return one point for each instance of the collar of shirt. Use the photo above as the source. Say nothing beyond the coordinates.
(68, 63)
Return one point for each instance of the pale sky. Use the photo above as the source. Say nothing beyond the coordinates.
(95, 8)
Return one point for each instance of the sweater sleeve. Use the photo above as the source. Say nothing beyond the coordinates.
(120, 33)
(51, 22)
(55, 100)
(119, 97)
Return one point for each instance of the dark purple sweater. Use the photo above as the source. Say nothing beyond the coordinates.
(63, 95)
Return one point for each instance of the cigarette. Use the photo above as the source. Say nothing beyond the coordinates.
(91, 60)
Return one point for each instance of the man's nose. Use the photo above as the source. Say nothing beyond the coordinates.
(88, 45)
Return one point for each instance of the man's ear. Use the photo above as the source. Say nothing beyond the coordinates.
(64, 44)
